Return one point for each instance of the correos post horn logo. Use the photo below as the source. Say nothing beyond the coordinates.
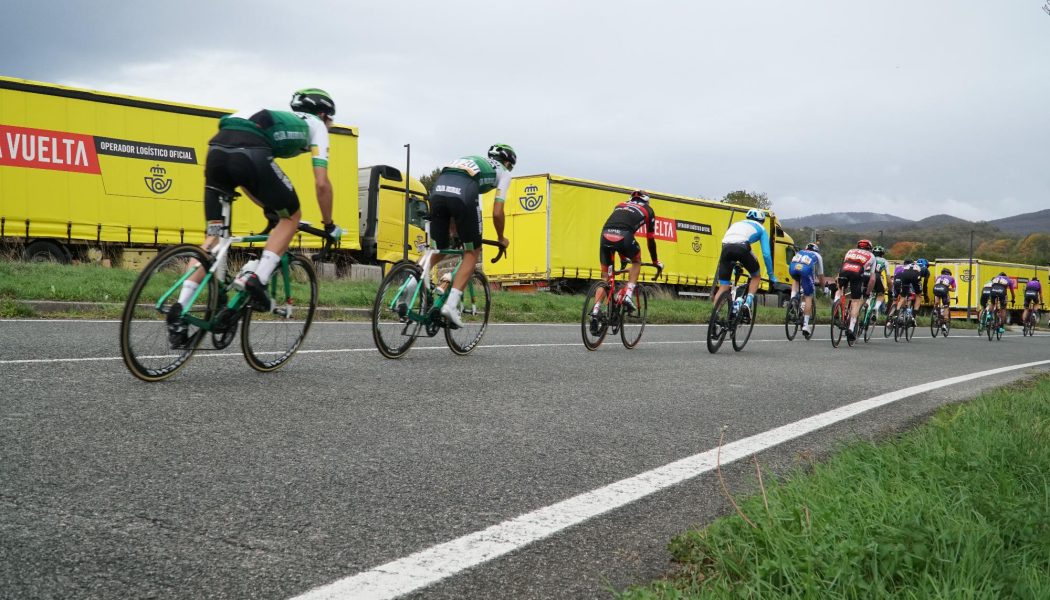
(157, 182)
(532, 199)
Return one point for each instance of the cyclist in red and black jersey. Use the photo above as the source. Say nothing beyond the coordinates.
(618, 238)
(855, 264)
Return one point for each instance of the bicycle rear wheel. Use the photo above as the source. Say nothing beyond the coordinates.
(144, 341)
(870, 320)
(792, 317)
(992, 324)
(270, 338)
(719, 322)
(633, 322)
(741, 333)
(595, 327)
(473, 308)
(837, 325)
(909, 329)
(392, 330)
(887, 327)
(935, 326)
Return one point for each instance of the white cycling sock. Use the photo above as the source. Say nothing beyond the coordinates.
(267, 264)
(805, 321)
(852, 323)
(453, 298)
(188, 287)
(597, 308)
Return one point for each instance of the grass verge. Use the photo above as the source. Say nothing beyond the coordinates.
(958, 508)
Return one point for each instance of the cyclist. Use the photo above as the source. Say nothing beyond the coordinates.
(618, 238)
(1033, 296)
(736, 247)
(456, 202)
(924, 280)
(806, 266)
(942, 287)
(1000, 283)
(909, 284)
(242, 154)
(881, 276)
(855, 264)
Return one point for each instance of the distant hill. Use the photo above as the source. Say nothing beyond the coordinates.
(843, 220)
(1034, 222)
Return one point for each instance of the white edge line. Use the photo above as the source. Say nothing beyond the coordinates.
(429, 566)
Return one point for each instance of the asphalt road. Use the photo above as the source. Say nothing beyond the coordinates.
(227, 483)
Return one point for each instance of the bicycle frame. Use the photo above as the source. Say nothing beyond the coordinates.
(425, 263)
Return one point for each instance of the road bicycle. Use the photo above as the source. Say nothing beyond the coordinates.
(840, 317)
(268, 337)
(731, 315)
(1031, 322)
(404, 310)
(905, 322)
(990, 323)
(614, 316)
(867, 319)
(940, 323)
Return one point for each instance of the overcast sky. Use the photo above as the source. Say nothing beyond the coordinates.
(908, 107)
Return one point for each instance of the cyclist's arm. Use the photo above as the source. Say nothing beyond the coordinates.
(325, 193)
(767, 256)
(319, 141)
(499, 219)
(650, 240)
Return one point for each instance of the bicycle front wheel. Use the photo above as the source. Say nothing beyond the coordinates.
(870, 323)
(393, 331)
(909, 329)
(935, 326)
(719, 323)
(594, 327)
(632, 323)
(792, 317)
(148, 350)
(837, 324)
(270, 338)
(745, 324)
(474, 310)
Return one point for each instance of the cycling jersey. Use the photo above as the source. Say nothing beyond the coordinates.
(1033, 285)
(619, 229)
(736, 247)
(1032, 292)
(858, 261)
(943, 285)
(489, 174)
(999, 284)
(805, 265)
(287, 133)
(880, 272)
(909, 279)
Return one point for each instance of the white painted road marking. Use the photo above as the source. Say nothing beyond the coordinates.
(429, 566)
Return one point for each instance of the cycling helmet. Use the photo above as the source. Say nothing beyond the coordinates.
(864, 244)
(505, 154)
(922, 262)
(1002, 274)
(756, 215)
(314, 101)
(813, 247)
(908, 261)
(639, 196)
(878, 251)
(946, 271)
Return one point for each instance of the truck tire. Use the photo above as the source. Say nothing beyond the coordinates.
(46, 251)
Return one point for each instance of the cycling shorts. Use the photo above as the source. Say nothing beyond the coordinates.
(909, 283)
(233, 162)
(618, 241)
(732, 253)
(804, 276)
(880, 287)
(999, 291)
(984, 298)
(1031, 297)
(455, 201)
(854, 280)
(941, 291)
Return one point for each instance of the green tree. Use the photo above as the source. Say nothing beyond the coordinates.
(746, 198)
(429, 179)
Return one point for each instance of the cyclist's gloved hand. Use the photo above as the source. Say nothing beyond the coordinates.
(659, 267)
(333, 231)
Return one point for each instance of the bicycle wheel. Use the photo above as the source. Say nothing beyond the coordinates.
(935, 325)
(144, 342)
(837, 325)
(792, 317)
(633, 322)
(898, 329)
(392, 330)
(474, 311)
(909, 329)
(998, 329)
(947, 322)
(741, 333)
(593, 336)
(719, 322)
(869, 325)
(888, 326)
(270, 338)
(993, 324)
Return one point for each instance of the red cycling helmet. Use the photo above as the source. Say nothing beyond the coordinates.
(864, 244)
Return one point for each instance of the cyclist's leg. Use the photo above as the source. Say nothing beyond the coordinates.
(274, 190)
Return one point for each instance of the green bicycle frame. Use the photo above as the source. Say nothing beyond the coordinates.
(425, 318)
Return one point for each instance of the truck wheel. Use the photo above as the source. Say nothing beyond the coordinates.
(45, 251)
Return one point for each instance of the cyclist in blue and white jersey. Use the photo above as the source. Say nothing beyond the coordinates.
(924, 281)
(242, 155)
(456, 201)
(806, 266)
(736, 247)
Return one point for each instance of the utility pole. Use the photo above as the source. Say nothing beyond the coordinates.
(973, 281)
(408, 198)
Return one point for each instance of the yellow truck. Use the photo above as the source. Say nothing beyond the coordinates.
(553, 223)
(85, 173)
(970, 282)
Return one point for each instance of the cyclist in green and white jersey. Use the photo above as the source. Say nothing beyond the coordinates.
(881, 277)
(242, 155)
(455, 202)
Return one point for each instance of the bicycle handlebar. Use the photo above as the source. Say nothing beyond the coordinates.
(502, 249)
(655, 277)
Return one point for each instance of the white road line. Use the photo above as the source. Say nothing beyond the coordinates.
(429, 566)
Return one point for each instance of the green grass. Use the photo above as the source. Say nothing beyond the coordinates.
(958, 508)
(109, 288)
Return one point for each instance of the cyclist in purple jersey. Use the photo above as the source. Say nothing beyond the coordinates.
(942, 287)
(1000, 283)
(1033, 296)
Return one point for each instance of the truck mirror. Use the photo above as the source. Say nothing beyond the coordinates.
(391, 173)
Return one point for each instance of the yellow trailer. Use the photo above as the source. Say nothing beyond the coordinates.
(84, 170)
(554, 222)
(970, 281)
